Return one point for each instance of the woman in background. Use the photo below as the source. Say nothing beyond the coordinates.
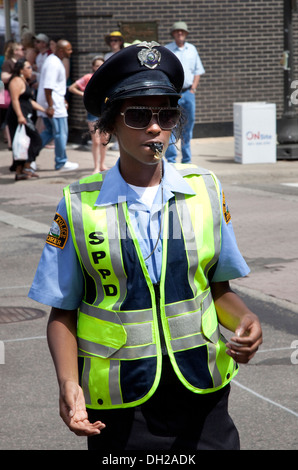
(19, 112)
(13, 52)
(98, 147)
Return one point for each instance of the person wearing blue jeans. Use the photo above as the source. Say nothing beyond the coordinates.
(57, 129)
(193, 69)
(51, 95)
(187, 102)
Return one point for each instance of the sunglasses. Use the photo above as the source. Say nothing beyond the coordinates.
(139, 117)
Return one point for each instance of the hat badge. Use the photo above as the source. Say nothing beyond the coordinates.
(149, 57)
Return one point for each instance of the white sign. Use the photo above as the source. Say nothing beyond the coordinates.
(255, 132)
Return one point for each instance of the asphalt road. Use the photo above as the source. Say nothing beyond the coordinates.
(263, 202)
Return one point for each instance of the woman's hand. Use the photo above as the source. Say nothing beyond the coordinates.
(234, 315)
(73, 411)
(22, 120)
(63, 345)
(247, 339)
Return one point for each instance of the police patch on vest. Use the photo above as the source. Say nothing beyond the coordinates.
(226, 212)
(58, 233)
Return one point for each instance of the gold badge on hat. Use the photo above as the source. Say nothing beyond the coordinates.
(149, 57)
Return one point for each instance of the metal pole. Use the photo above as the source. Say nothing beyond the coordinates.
(20, 16)
(31, 19)
(7, 20)
(288, 48)
(288, 129)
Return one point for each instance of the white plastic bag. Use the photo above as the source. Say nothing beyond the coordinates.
(20, 144)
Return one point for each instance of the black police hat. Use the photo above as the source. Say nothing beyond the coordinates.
(143, 69)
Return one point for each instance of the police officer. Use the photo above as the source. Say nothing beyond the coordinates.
(138, 262)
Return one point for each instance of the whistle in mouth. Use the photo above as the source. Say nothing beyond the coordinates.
(157, 148)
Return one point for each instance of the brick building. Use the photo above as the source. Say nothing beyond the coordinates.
(240, 43)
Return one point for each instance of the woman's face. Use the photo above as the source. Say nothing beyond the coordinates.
(134, 144)
(53, 45)
(97, 64)
(27, 70)
(19, 51)
(115, 44)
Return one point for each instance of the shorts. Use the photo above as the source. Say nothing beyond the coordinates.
(91, 118)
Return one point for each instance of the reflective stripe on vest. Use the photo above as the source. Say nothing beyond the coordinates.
(110, 335)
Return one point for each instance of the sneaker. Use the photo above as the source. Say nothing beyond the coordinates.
(33, 166)
(69, 166)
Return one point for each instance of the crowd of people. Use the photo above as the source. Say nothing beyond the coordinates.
(48, 88)
(35, 73)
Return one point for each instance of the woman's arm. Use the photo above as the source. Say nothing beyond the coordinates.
(73, 88)
(16, 88)
(5, 76)
(234, 315)
(62, 342)
(38, 107)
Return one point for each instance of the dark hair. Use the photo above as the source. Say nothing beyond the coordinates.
(106, 122)
(55, 38)
(98, 57)
(18, 66)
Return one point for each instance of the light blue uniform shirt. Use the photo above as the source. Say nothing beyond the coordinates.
(59, 281)
(190, 60)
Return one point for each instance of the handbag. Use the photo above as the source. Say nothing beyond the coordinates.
(4, 99)
(20, 144)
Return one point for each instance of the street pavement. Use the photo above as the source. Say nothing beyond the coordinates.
(263, 202)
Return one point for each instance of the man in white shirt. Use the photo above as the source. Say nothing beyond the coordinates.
(42, 45)
(51, 95)
(193, 69)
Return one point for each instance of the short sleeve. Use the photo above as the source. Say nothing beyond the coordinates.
(199, 70)
(51, 75)
(231, 264)
(58, 281)
(82, 82)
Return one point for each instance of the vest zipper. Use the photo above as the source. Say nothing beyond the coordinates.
(159, 322)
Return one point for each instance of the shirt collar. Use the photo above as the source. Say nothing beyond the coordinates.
(115, 189)
(185, 46)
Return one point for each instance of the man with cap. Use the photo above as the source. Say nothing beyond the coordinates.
(193, 69)
(136, 268)
(116, 42)
(42, 45)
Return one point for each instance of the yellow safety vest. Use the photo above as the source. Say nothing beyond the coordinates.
(125, 323)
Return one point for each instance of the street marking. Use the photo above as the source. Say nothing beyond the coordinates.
(275, 349)
(14, 287)
(23, 339)
(265, 398)
(294, 185)
(18, 221)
